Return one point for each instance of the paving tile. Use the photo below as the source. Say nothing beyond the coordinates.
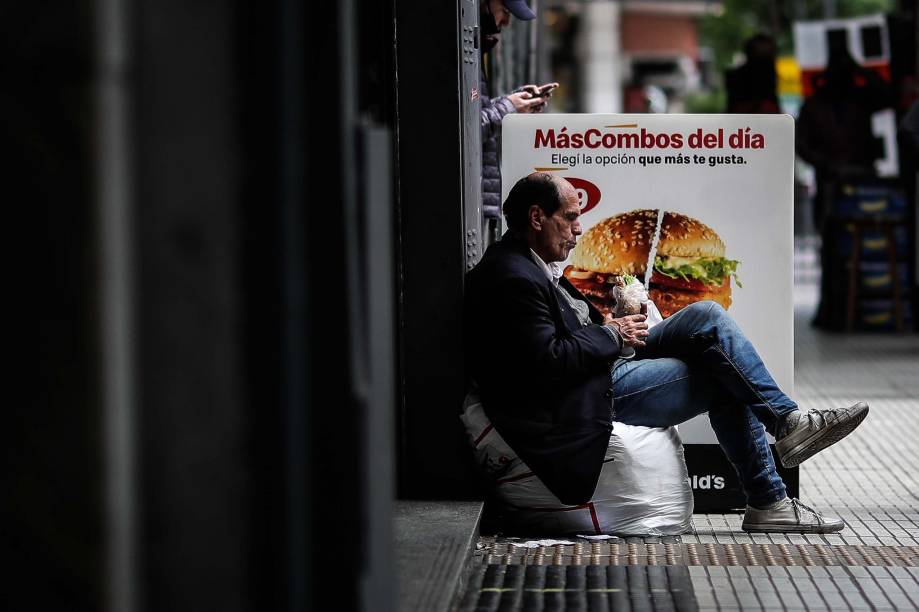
(855, 599)
(748, 600)
(846, 585)
(878, 571)
(745, 589)
(805, 585)
(857, 571)
(837, 570)
(791, 599)
(721, 584)
(770, 599)
(834, 600)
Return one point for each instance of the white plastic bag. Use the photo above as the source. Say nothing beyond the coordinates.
(643, 487)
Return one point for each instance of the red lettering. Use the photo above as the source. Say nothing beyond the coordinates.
(628, 141)
(545, 139)
(592, 138)
(695, 139)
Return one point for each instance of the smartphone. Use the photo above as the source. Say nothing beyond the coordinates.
(546, 89)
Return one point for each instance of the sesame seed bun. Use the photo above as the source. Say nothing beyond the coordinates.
(686, 237)
(618, 245)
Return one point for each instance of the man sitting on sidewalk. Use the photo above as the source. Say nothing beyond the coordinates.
(552, 377)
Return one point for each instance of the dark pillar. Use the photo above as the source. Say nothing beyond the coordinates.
(194, 465)
(438, 155)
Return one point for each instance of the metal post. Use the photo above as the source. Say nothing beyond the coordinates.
(115, 207)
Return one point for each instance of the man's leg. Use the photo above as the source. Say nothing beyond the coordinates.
(666, 391)
(703, 335)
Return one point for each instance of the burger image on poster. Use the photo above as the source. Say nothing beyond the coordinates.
(689, 263)
(690, 266)
(608, 251)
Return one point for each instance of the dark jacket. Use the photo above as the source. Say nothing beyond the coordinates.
(493, 111)
(751, 88)
(544, 379)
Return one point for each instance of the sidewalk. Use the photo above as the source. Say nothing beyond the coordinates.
(871, 480)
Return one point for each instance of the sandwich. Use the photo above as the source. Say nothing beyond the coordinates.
(689, 266)
(608, 251)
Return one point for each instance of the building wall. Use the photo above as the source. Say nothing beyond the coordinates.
(646, 33)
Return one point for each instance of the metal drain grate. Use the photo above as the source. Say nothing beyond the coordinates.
(625, 553)
(579, 587)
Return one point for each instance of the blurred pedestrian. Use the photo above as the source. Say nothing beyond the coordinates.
(751, 86)
(493, 16)
(834, 135)
(834, 126)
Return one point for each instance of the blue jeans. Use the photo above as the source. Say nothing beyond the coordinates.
(696, 361)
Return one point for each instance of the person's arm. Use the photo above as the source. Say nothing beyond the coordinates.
(493, 111)
(531, 332)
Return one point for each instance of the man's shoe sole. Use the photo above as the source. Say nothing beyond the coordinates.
(772, 528)
(822, 439)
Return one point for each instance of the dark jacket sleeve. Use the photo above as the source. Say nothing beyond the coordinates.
(493, 111)
(532, 330)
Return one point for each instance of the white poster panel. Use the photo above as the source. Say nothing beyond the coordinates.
(727, 176)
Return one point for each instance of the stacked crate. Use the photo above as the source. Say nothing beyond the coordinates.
(878, 215)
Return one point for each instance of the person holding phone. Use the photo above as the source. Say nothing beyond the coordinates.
(493, 16)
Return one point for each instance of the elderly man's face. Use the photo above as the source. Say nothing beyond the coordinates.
(558, 234)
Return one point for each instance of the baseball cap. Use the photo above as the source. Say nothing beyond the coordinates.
(519, 9)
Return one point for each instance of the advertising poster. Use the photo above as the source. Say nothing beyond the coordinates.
(699, 207)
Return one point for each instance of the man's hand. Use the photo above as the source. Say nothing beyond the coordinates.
(633, 329)
(543, 91)
(525, 102)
